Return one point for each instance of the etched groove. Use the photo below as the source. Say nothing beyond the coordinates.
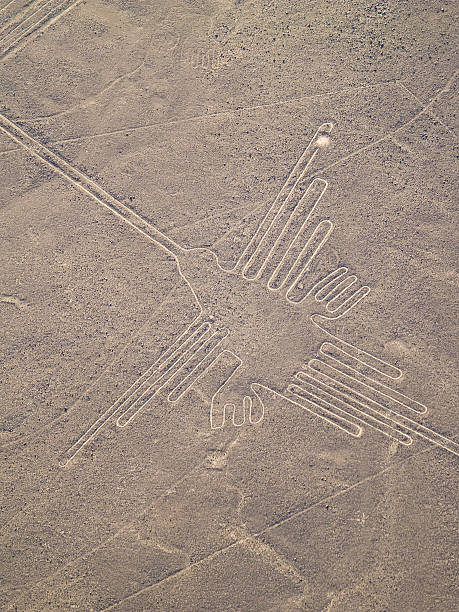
(365, 364)
(9, 3)
(363, 357)
(134, 389)
(338, 290)
(288, 222)
(191, 339)
(294, 272)
(203, 360)
(165, 363)
(27, 17)
(33, 23)
(82, 182)
(162, 376)
(352, 387)
(322, 289)
(334, 290)
(224, 367)
(332, 356)
(296, 232)
(352, 301)
(293, 180)
(342, 301)
(283, 249)
(358, 410)
(324, 410)
(398, 419)
(19, 16)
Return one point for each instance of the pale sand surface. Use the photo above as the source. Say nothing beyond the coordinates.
(335, 494)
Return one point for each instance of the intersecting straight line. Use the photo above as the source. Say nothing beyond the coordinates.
(434, 116)
(43, 24)
(257, 534)
(36, 8)
(424, 110)
(83, 183)
(232, 111)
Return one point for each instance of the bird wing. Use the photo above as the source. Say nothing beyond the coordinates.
(238, 245)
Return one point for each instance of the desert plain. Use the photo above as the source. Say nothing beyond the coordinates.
(227, 306)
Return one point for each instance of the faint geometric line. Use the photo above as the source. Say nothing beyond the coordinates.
(293, 516)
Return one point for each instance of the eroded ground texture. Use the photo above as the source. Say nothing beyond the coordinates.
(227, 305)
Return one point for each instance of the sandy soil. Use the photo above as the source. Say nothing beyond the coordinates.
(227, 365)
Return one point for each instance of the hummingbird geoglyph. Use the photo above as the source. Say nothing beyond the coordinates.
(262, 315)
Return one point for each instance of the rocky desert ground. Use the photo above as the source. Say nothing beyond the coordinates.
(227, 306)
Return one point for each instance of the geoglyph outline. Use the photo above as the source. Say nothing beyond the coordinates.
(341, 411)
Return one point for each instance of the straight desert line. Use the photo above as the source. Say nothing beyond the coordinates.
(267, 529)
(232, 111)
